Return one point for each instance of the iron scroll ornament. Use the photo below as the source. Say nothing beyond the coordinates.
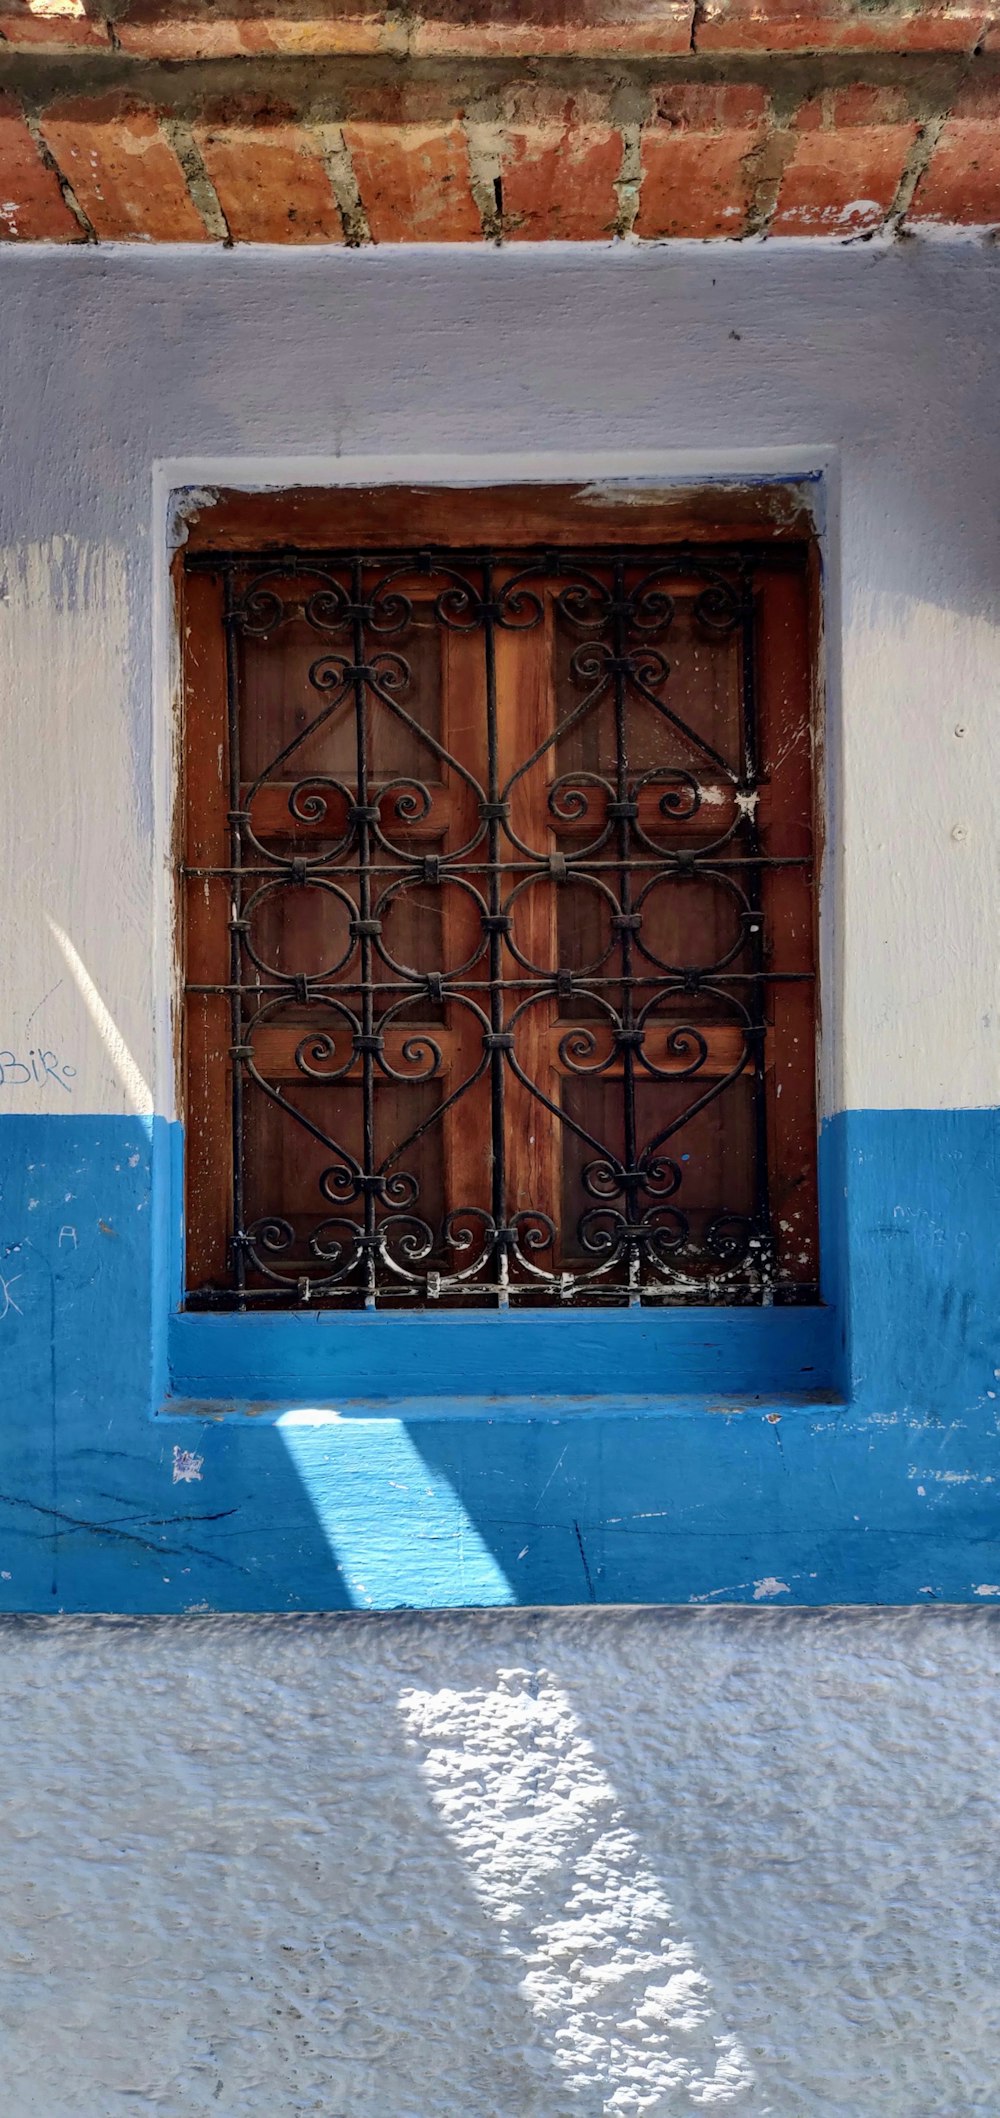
(626, 834)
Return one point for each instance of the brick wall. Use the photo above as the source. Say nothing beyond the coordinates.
(344, 121)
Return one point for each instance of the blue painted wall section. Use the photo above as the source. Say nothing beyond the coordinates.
(739, 1456)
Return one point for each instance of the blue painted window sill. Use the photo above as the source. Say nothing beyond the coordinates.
(584, 1356)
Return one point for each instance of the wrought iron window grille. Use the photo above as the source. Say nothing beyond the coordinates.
(636, 1016)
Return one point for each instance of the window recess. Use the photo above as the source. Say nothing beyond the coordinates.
(499, 914)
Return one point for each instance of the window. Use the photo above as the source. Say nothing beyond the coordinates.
(499, 908)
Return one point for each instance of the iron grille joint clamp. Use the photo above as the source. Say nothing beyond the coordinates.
(494, 812)
(361, 1043)
(627, 922)
(498, 1040)
(432, 867)
(496, 922)
(629, 1040)
(435, 987)
(557, 867)
(624, 812)
(363, 813)
(365, 929)
(241, 1051)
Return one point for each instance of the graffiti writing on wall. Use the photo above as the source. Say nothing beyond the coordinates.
(39, 1066)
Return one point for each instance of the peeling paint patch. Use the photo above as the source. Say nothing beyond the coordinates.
(770, 1586)
(187, 1466)
(987, 1588)
(187, 502)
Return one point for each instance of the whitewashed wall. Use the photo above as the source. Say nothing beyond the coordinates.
(877, 366)
(507, 1866)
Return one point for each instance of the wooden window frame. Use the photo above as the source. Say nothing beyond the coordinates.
(560, 516)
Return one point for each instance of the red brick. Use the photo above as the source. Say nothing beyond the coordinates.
(414, 182)
(839, 25)
(32, 207)
(696, 177)
(200, 29)
(57, 25)
(123, 170)
(270, 179)
(559, 164)
(844, 168)
(619, 29)
(961, 186)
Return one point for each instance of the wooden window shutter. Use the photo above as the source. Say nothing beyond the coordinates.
(499, 905)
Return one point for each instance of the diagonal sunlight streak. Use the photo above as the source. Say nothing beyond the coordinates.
(625, 2009)
(129, 1074)
(428, 1515)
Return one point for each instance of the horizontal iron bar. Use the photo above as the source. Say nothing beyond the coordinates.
(619, 1296)
(303, 558)
(454, 988)
(694, 864)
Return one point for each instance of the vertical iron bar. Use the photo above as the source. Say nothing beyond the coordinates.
(235, 936)
(620, 651)
(365, 913)
(758, 990)
(497, 1145)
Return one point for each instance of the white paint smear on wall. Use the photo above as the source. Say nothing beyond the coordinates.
(70, 828)
(625, 2007)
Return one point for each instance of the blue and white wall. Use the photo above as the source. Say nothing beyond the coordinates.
(524, 1863)
(735, 1459)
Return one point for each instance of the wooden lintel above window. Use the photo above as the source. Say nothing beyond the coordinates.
(635, 511)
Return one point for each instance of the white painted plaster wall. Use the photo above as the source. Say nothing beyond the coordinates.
(504, 1866)
(878, 365)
